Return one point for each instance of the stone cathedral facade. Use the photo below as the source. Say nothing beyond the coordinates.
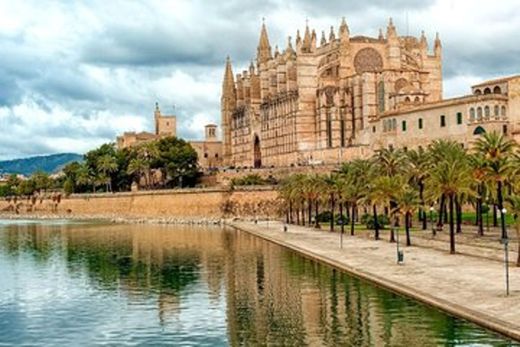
(337, 97)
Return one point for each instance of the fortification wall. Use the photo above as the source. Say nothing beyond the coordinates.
(185, 203)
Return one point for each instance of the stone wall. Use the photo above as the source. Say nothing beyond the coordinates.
(178, 204)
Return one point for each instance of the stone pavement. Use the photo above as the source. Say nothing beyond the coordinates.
(466, 286)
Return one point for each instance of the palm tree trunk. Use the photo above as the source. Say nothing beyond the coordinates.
(316, 213)
(290, 212)
(407, 228)
(332, 208)
(480, 219)
(422, 210)
(452, 226)
(458, 211)
(341, 218)
(495, 218)
(392, 233)
(441, 211)
(309, 207)
(352, 220)
(376, 223)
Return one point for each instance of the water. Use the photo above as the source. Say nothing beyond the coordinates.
(83, 284)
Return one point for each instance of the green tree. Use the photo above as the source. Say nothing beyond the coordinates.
(513, 204)
(107, 165)
(497, 151)
(450, 177)
(407, 202)
(177, 159)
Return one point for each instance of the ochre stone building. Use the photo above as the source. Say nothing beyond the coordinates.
(209, 151)
(350, 95)
(164, 126)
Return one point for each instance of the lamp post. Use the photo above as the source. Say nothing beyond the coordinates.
(400, 255)
(431, 220)
(505, 242)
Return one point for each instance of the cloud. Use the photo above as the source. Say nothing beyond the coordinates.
(83, 72)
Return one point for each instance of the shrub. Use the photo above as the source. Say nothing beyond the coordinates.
(324, 217)
(368, 220)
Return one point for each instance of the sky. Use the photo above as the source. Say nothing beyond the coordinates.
(75, 74)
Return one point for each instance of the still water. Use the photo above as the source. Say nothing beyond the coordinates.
(83, 284)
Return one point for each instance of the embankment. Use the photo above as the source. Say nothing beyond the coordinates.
(185, 204)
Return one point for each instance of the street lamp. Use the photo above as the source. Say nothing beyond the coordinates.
(431, 220)
(505, 242)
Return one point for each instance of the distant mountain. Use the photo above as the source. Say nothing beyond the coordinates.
(47, 163)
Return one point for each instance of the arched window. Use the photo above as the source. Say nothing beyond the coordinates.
(487, 112)
(407, 100)
(478, 92)
(381, 96)
(503, 111)
(417, 99)
(497, 111)
(487, 91)
(479, 130)
(479, 113)
(472, 114)
(497, 90)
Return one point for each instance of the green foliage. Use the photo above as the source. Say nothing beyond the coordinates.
(109, 169)
(68, 186)
(253, 180)
(325, 216)
(368, 220)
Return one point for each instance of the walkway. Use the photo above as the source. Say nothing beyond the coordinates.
(467, 286)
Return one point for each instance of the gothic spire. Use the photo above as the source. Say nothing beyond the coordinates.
(391, 32)
(332, 35)
(264, 48)
(228, 84)
(323, 39)
(424, 42)
(306, 45)
(437, 46)
(344, 31)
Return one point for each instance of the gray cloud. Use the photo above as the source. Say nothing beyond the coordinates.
(79, 75)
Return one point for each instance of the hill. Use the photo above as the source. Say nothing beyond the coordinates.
(47, 163)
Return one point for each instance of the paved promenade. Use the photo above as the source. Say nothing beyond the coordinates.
(467, 286)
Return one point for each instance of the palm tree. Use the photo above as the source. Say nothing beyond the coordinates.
(513, 202)
(139, 167)
(357, 174)
(497, 150)
(377, 195)
(419, 164)
(478, 169)
(450, 177)
(107, 165)
(331, 193)
(407, 201)
(84, 175)
(391, 161)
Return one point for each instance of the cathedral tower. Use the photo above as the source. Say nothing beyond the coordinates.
(228, 103)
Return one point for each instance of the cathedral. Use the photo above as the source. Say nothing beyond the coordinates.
(339, 97)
